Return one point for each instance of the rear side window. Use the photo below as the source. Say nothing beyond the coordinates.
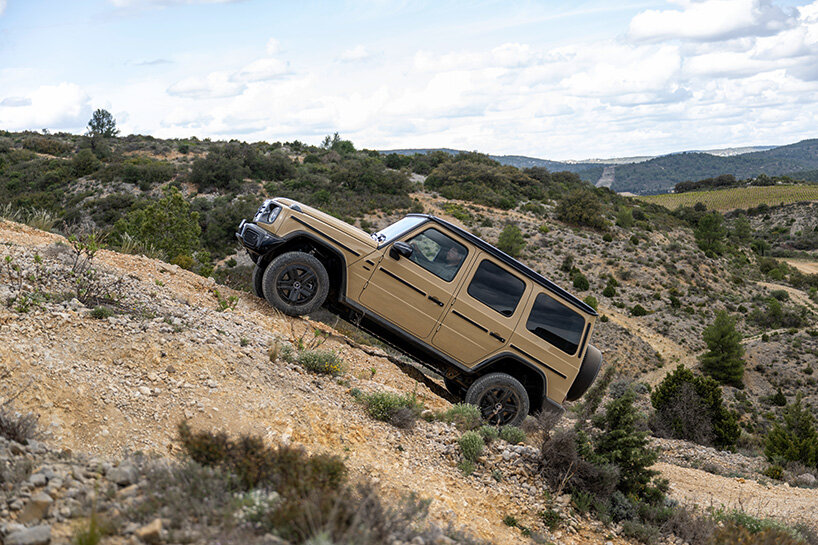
(496, 288)
(556, 323)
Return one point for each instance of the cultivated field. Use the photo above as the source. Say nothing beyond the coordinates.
(737, 197)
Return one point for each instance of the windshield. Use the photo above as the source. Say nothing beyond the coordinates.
(388, 233)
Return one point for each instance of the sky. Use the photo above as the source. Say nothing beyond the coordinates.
(555, 80)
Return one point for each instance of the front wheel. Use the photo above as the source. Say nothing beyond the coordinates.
(501, 398)
(256, 285)
(296, 283)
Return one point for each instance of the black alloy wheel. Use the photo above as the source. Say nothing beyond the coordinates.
(501, 398)
(296, 283)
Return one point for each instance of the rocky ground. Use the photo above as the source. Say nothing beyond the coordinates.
(110, 391)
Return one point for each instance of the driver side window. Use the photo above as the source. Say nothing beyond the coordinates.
(437, 253)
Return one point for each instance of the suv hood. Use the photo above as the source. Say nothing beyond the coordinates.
(348, 229)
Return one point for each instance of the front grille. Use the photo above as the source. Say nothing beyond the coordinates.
(250, 237)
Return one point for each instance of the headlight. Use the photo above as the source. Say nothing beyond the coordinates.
(267, 212)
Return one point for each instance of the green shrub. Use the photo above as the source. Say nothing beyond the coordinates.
(793, 438)
(638, 310)
(471, 445)
(582, 501)
(401, 410)
(690, 407)
(463, 415)
(609, 291)
(581, 207)
(580, 282)
(101, 312)
(592, 302)
(645, 533)
(325, 362)
(466, 467)
(512, 434)
(625, 445)
(489, 433)
(551, 519)
(290, 470)
(511, 240)
(774, 471)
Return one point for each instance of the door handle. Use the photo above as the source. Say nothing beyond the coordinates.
(435, 300)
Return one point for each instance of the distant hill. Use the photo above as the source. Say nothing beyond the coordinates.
(589, 171)
(654, 175)
(659, 175)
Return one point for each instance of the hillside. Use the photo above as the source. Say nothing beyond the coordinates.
(122, 383)
(169, 343)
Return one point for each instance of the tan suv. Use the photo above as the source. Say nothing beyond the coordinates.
(504, 337)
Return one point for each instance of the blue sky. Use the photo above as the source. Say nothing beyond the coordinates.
(558, 80)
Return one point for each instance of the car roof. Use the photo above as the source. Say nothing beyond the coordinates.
(513, 263)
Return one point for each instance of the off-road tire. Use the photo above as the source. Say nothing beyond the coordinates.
(256, 283)
(295, 283)
(501, 398)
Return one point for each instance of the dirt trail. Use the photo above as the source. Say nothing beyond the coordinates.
(670, 350)
(803, 265)
(694, 486)
(797, 295)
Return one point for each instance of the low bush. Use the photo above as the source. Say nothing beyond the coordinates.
(471, 445)
(489, 433)
(16, 426)
(325, 362)
(690, 407)
(463, 415)
(290, 470)
(400, 410)
(512, 434)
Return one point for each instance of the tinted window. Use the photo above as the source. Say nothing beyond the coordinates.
(496, 288)
(556, 323)
(437, 253)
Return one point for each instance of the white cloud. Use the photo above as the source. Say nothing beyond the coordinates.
(15, 102)
(711, 20)
(62, 106)
(214, 85)
(357, 53)
(273, 46)
(262, 70)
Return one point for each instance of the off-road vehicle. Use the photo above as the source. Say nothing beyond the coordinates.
(503, 337)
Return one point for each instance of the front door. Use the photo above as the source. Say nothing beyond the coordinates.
(484, 314)
(413, 292)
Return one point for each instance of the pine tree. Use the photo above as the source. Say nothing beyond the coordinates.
(795, 439)
(710, 233)
(723, 360)
(623, 444)
(511, 240)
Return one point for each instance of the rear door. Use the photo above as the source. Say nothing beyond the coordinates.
(552, 334)
(412, 292)
(484, 313)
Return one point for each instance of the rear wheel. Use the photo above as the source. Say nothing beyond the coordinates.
(296, 283)
(501, 398)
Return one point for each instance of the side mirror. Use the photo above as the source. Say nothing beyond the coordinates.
(399, 249)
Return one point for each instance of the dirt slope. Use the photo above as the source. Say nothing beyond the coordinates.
(123, 383)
